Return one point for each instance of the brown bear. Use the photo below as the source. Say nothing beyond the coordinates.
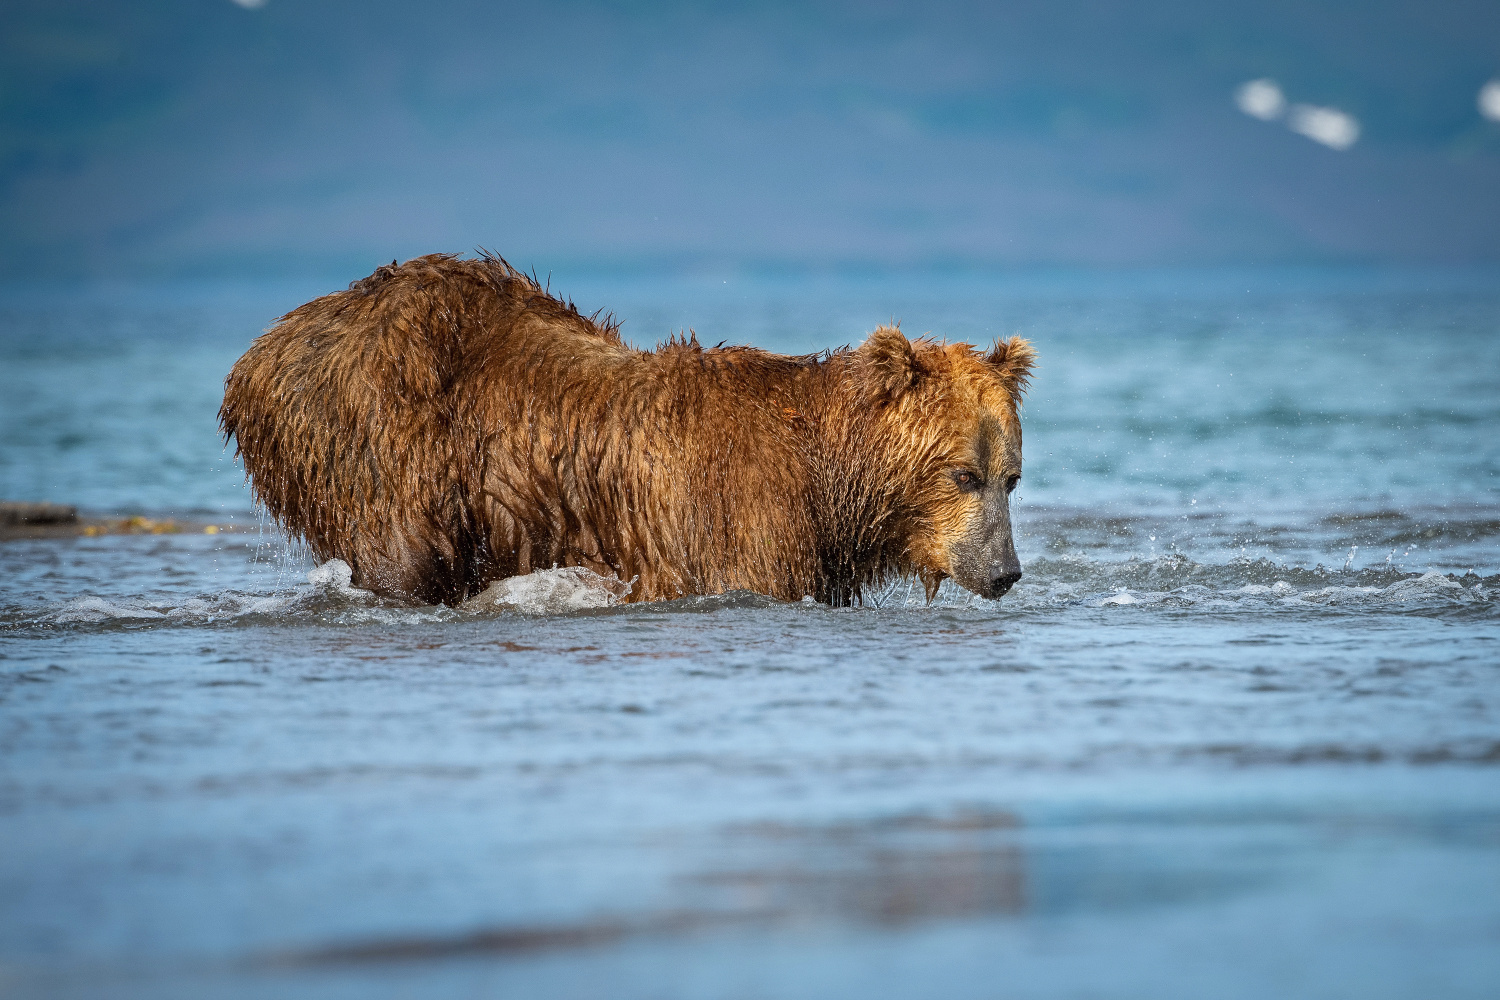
(446, 423)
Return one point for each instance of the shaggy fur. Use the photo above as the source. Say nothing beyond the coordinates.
(446, 423)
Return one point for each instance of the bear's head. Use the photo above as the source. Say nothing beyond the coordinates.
(952, 438)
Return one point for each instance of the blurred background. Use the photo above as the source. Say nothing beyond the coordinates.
(268, 138)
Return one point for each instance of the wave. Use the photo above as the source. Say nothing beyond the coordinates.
(328, 597)
(1378, 529)
(1171, 581)
(1242, 583)
(1245, 585)
(1175, 569)
(1063, 529)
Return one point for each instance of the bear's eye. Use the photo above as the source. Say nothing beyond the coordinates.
(1010, 483)
(966, 481)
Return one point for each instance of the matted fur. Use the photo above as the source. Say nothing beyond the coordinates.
(446, 422)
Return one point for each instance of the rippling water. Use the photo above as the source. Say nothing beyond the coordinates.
(1236, 732)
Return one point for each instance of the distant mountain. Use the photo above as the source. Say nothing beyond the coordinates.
(209, 137)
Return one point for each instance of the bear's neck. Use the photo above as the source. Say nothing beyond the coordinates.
(857, 499)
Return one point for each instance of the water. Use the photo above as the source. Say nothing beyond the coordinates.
(1235, 734)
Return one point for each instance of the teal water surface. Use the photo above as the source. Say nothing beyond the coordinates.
(1236, 733)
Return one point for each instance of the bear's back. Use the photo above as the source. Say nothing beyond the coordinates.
(359, 421)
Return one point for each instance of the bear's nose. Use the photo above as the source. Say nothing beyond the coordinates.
(1002, 583)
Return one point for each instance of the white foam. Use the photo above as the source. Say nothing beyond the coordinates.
(330, 580)
(97, 609)
(336, 576)
(92, 609)
(550, 592)
(230, 605)
(1429, 586)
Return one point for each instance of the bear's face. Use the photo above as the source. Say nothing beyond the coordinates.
(954, 423)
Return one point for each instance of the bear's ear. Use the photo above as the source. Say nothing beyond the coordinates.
(894, 367)
(1012, 361)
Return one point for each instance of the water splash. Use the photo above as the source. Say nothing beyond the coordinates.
(551, 591)
(337, 577)
(328, 593)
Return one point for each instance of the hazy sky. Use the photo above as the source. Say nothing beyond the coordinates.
(210, 137)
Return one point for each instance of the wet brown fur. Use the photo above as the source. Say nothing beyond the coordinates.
(446, 423)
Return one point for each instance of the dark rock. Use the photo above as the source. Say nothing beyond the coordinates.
(14, 514)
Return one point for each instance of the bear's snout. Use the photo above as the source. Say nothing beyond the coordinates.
(984, 560)
(1000, 584)
(987, 567)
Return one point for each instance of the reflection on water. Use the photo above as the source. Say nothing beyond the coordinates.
(901, 871)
